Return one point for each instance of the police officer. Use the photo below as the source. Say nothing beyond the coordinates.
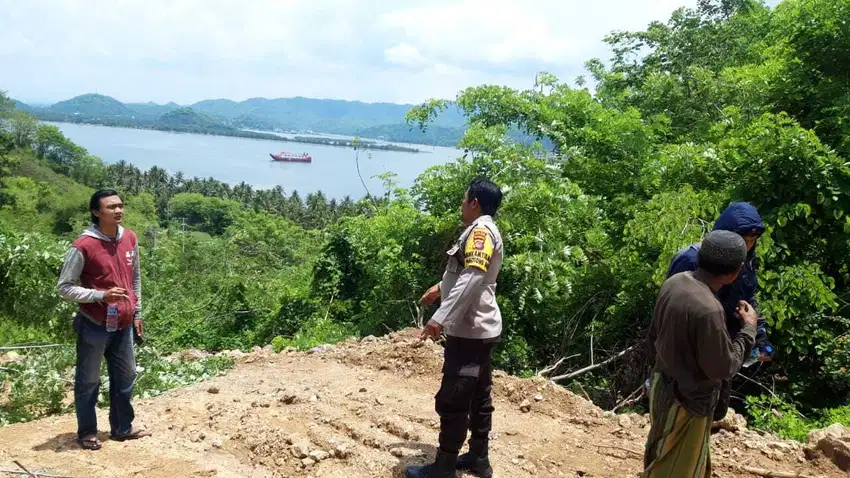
(472, 322)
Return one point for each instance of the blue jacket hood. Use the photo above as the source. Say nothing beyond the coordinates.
(740, 217)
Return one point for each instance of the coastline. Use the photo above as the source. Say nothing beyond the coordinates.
(248, 134)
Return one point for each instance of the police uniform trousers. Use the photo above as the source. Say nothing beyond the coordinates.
(464, 401)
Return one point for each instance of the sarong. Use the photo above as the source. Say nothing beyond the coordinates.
(678, 445)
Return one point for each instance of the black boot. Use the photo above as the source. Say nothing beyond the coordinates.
(443, 467)
(477, 460)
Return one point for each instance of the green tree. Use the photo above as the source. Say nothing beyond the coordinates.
(24, 127)
(206, 214)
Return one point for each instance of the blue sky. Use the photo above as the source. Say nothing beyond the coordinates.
(368, 50)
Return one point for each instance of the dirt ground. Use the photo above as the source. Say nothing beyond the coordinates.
(364, 409)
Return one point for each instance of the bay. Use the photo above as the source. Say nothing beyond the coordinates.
(233, 160)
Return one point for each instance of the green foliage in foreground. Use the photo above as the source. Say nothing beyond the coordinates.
(42, 384)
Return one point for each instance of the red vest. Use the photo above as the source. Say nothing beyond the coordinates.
(107, 265)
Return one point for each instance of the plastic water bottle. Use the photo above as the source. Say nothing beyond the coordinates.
(753, 358)
(111, 318)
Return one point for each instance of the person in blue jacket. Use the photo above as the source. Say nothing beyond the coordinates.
(743, 219)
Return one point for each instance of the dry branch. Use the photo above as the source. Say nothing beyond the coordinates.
(771, 474)
(32, 474)
(632, 398)
(593, 367)
(26, 347)
(554, 367)
(23, 468)
(37, 475)
(614, 447)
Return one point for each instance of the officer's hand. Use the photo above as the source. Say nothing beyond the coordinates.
(430, 296)
(747, 313)
(431, 331)
(114, 294)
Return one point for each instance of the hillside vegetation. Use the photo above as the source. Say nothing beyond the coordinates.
(383, 121)
(729, 101)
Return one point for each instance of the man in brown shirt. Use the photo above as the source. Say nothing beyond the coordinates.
(693, 354)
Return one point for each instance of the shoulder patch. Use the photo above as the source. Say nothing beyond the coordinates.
(478, 250)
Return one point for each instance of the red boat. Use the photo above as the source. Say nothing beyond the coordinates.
(286, 156)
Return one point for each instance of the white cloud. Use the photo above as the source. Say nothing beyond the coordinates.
(403, 51)
(405, 55)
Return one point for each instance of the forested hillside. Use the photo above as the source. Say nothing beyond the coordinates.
(383, 121)
(729, 101)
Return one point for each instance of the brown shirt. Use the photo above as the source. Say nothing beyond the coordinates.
(692, 346)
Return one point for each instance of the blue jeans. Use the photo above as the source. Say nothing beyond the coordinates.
(93, 343)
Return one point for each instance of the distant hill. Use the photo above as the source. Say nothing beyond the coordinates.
(327, 116)
(92, 105)
(151, 109)
(22, 106)
(187, 119)
(352, 118)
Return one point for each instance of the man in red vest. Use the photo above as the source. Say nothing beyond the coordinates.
(102, 274)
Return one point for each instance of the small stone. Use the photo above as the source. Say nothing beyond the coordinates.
(300, 449)
(191, 355)
(511, 433)
(529, 468)
(399, 452)
(780, 446)
(515, 461)
(369, 339)
(379, 401)
(525, 406)
(314, 398)
(319, 455)
(341, 451)
(624, 421)
(608, 414)
(288, 398)
(217, 444)
(732, 422)
(213, 389)
(308, 462)
(11, 357)
(538, 398)
(363, 390)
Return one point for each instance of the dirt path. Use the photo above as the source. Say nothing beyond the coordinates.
(362, 409)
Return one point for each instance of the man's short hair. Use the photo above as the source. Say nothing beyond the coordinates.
(487, 193)
(722, 253)
(94, 202)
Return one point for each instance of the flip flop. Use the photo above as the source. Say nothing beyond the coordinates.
(90, 443)
(134, 434)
